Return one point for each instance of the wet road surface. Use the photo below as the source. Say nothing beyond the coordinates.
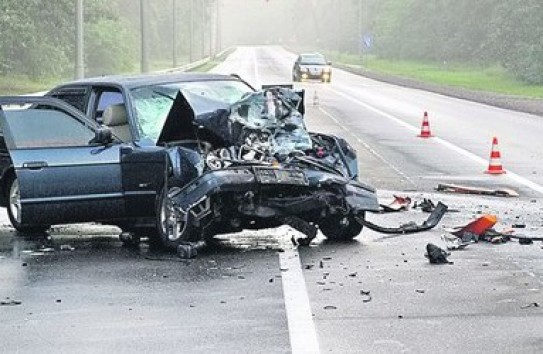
(80, 290)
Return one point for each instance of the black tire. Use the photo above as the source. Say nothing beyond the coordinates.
(334, 229)
(13, 203)
(171, 231)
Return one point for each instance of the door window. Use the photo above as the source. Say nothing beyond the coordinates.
(32, 128)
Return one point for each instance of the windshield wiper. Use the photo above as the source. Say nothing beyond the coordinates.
(163, 95)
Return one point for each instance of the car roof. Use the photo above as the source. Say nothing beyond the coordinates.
(132, 81)
(303, 55)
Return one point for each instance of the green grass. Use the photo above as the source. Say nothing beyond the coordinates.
(473, 77)
(17, 85)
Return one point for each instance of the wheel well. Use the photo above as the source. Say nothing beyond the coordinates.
(8, 175)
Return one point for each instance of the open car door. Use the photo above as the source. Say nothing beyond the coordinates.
(59, 175)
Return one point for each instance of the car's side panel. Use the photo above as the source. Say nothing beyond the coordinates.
(76, 184)
(143, 176)
(62, 177)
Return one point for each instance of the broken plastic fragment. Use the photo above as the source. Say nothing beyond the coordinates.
(400, 203)
(436, 255)
(476, 228)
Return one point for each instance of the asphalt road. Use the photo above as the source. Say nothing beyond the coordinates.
(81, 291)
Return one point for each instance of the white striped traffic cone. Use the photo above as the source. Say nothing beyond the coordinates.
(316, 101)
(495, 165)
(425, 129)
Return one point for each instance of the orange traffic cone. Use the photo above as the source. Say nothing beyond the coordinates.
(495, 164)
(425, 129)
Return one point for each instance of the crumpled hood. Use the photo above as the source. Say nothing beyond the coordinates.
(274, 111)
(194, 116)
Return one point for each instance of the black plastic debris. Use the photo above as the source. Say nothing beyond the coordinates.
(330, 307)
(366, 295)
(525, 241)
(189, 250)
(533, 304)
(436, 255)
(10, 302)
(426, 205)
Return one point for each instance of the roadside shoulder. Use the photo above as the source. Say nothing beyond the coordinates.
(517, 103)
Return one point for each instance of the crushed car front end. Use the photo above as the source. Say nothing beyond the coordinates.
(252, 164)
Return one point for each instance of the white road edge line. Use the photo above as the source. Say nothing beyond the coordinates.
(303, 336)
(511, 175)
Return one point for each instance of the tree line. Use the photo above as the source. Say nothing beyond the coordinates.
(37, 37)
(505, 32)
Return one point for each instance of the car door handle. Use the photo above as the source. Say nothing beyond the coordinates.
(35, 165)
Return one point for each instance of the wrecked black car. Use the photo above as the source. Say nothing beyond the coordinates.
(178, 158)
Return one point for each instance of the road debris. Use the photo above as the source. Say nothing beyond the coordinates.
(400, 203)
(436, 255)
(525, 241)
(426, 205)
(66, 248)
(330, 307)
(189, 250)
(453, 242)
(10, 302)
(533, 304)
(455, 188)
(366, 294)
(476, 228)
(410, 227)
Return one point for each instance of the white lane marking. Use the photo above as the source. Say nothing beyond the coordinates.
(368, 147)
(511, 175)
(303, 336)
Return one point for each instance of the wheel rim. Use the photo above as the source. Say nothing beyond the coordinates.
(172, 222)
(15, 201)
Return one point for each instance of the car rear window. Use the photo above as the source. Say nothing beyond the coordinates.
(313, 60)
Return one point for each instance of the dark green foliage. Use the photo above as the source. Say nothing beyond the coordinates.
(509, 32)
(38, 38)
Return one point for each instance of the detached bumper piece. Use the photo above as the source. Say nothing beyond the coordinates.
(409, 228)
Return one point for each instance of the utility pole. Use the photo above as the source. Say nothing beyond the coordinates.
(218, 44)
(211, 23)
(144, 39)
(202, 30)
(191, 30)
(79, 61)
(174, 34)
(359, 35)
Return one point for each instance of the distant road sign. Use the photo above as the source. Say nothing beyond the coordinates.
(367, 40)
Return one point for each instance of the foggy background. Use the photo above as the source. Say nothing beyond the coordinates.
(37, 36)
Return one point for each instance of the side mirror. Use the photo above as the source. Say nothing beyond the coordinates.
(102, 136)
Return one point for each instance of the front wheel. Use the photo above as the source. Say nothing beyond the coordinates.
(15, 210)
(174, 227)
(340, 228)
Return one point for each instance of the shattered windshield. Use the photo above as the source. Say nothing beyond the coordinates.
(271, 122)
(153, 103)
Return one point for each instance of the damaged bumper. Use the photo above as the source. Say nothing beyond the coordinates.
(409, 228)
(312, 190)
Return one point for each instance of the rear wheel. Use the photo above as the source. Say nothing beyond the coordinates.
(174, 227)
(15, 209)
(340, 228)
